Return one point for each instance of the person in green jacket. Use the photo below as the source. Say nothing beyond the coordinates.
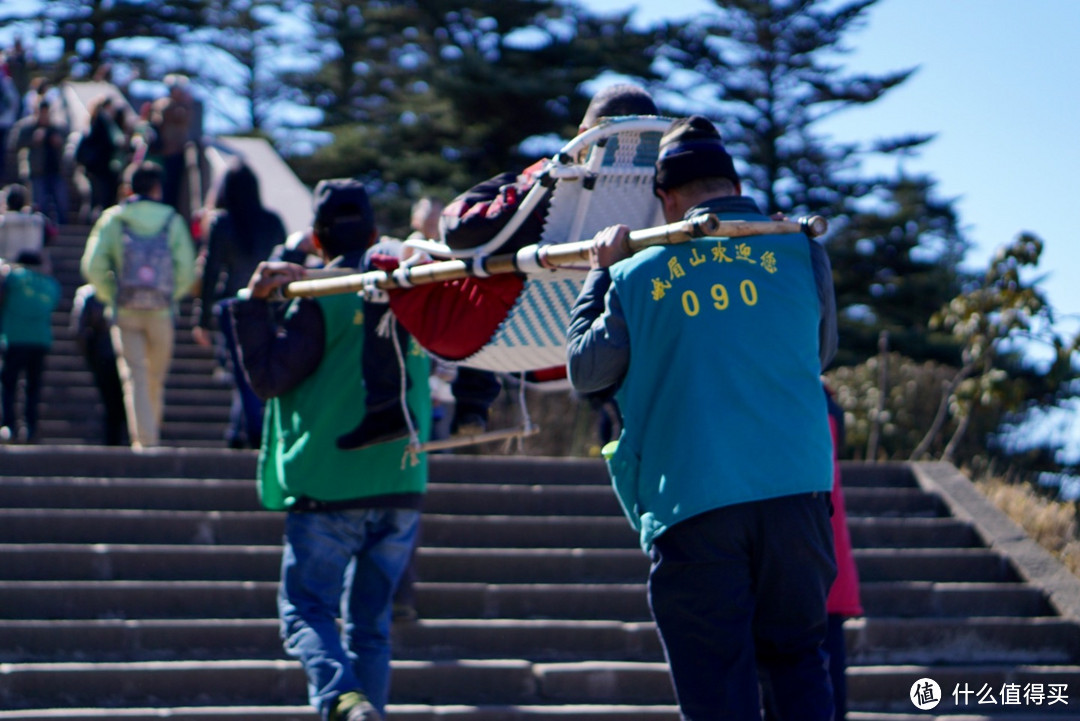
(141, 261)
(352, 516)
(28, 296)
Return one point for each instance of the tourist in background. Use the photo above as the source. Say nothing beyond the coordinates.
(28, 296)
(240, 233)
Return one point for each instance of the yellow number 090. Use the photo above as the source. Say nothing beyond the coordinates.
(721, 299)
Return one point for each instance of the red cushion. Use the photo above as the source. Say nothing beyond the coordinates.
(457, 318)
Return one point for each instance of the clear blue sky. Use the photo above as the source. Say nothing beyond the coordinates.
(996, 83)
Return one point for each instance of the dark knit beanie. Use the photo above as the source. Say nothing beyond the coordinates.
(343, 216)
(692, 149)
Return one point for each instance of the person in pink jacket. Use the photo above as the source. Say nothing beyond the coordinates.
(843, 601)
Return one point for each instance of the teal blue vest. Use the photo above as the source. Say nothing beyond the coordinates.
(722, 403)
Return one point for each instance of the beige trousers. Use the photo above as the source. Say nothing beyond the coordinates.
(143, 341)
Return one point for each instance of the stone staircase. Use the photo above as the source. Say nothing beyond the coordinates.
(141, 586)
(196, 405)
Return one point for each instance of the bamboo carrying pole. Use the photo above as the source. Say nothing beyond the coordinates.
(541, 258)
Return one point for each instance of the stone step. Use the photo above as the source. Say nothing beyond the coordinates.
(212, 408)
(931, 641)
(414, 712)
(75, 374)
(936, 565)
(197, 366)
(608, 530)
(876, 475)
(886, 689)
(64, 344)
(399, 712)
(173, 533)
(462, 498)
(500, 470)
(55, 430)
(927, 599)
(264, 528)
(497, 681)
(181, 494)
(159, 599)
(100, 462)
(211, 397)
(870, 641)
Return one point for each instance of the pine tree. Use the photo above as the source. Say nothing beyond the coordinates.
(772, 73)
(432, 97)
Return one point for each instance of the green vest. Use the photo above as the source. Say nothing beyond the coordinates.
(722, 402)
(299, 456)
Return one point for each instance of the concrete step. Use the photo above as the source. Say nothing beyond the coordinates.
(497, 681)
(160, 599)
(206, 409)
(33, 545)
(181, 494)
(459, 498)
(856, 474)
(892, 503)
(68, 399)
(985, 640)
(92, 461)
(64, 343)
(887, 688)
(55, 600)
(73, 373)
(872, 641)
(914, 599)
(258, 533)
(414, 712)
(196, 366)
(99, 462)
(399, 712)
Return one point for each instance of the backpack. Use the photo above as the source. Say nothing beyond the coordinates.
(146, 279)
(85, 151)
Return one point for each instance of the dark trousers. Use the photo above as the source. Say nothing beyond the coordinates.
(172, 179)
(247, 410)
(740, 591)
(104, 188)
(834, 647)
(107, 380)
(28, 360)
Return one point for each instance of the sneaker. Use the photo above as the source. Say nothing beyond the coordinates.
(381, 426)
(354, 706)
(468, 424)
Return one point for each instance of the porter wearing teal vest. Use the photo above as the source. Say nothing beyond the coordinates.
(756, 406)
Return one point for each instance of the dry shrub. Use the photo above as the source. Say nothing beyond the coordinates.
(1052, 524)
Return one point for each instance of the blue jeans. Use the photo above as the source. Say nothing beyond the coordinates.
(343, 562)
(739, 591)
(50, 196)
